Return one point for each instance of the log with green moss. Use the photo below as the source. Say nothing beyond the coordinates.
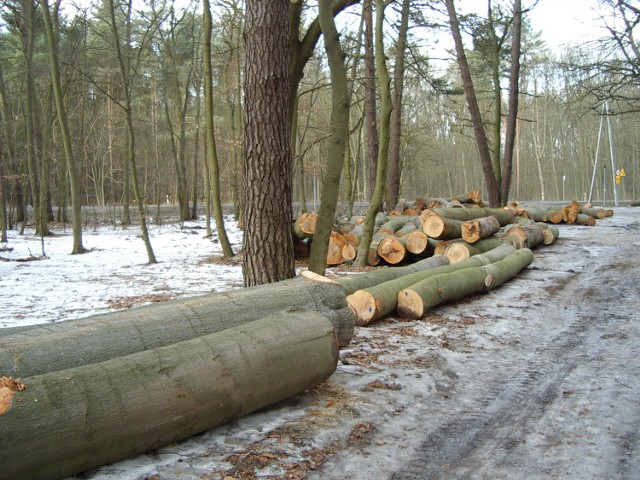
(97, 338)
(461, 250)
(416, 300)
(305, 226)
(64, 422)
(504, 215)
(374, 302)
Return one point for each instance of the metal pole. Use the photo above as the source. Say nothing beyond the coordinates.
(595, 165)
(614, 172)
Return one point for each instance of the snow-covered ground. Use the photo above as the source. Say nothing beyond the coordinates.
(52, 285)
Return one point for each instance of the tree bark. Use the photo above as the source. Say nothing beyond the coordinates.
(68, 421)
(99, 338)
(340, 104)
(268, 245)
(474, 110)
(365, 280)
(462, 250)
(370, 109)
(212, 149)
(373, 303)
(415, 301)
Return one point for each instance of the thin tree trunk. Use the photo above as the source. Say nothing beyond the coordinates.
(393, 189)
(338, 141)
(76, 211)
(227, 251)
(512, 118)
(371, 124)
(383, 148)
(472, 104)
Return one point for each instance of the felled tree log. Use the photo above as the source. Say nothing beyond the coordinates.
(479, 228)
(598, 213)
(394, 224)
(365, 280)
(461, 250)
(392, 249)
(374, 302)
(527, 236)
(305, 226)
(442, 228)
(416, 242)
(65, 422)
(570, 212)
(97, 338)
(334, 252)
(416, 300)
(584, 219)
(504, 216)
(550, 234)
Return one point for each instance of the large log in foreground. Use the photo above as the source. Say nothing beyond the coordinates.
(68, 421)
(97, 338)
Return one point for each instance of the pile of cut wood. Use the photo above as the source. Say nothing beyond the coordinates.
(416, 230)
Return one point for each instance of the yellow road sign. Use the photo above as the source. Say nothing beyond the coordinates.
(622, 174)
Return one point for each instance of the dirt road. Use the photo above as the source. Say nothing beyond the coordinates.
(537, 379)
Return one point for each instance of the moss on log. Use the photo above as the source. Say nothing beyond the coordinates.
(97, 338)
(416, 300)
(365, 280)
(68, 421)
(374, 302)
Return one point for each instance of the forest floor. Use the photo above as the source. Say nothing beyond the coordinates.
(538, 379)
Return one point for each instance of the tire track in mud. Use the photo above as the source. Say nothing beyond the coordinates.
(492, 427)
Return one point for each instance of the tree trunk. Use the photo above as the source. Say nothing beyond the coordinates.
(212, 151)
(383, 149)
(474, 110)
(370, 109)
(99, 338)
(268, 245)
(415, 301)
(68, 421)
(61, 111)
(479, 228)
(320, 255)
(393, 188)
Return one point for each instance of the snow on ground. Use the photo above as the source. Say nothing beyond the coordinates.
(113, 274)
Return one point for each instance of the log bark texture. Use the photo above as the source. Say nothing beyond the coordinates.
(461, 250)
(98, 338)
(442, 228)
(68, 421)
(369, 279)
(416, 300)
(374, 302)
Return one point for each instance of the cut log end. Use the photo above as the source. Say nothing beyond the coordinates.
(416, 242)
(391, 250)
(363, 306)
(410, 304)
(434, 226)
(456, 252)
